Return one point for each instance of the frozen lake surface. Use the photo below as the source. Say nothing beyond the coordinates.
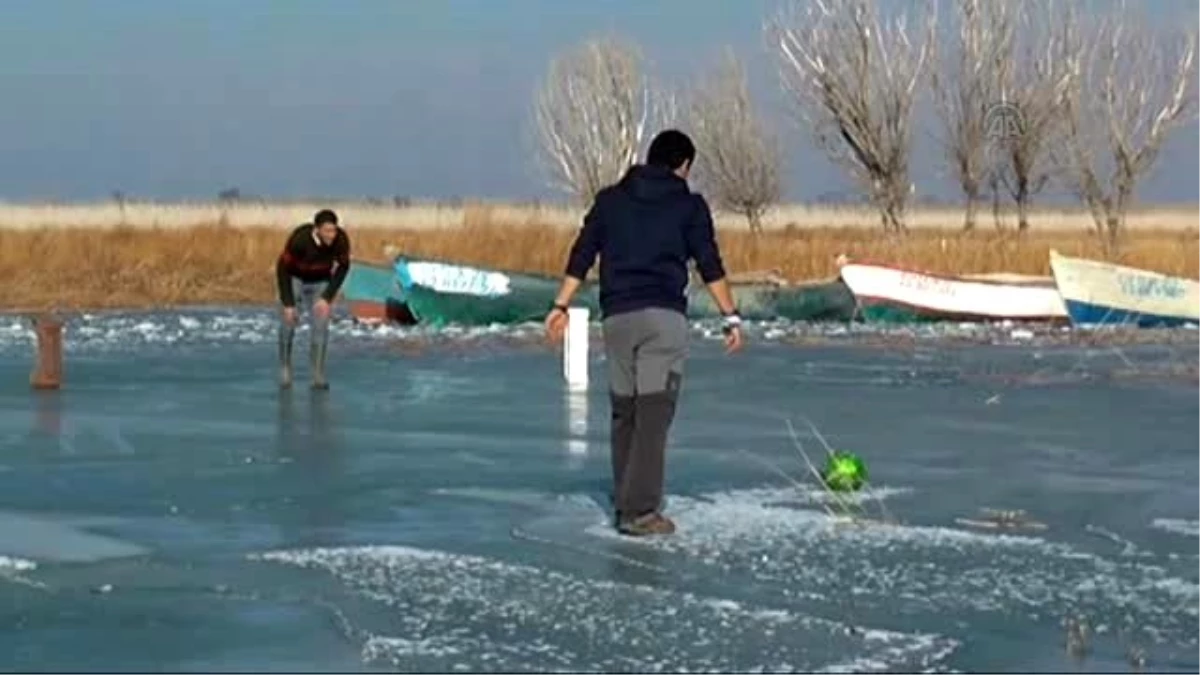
(444, 506)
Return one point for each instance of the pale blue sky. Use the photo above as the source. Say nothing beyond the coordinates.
(342, 98)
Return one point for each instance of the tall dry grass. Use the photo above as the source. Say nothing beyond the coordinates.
(425, 216)
(89, 267)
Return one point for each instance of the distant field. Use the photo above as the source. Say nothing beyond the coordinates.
(430, 216)
(174, 255)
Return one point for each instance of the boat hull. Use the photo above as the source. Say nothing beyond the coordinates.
(372, 295)
(826, 300)
(1101, 293)
(1085, 314)
(755, 301)
(441, 293)
(891, 294)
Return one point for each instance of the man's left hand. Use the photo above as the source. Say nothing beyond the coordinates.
(321, 308)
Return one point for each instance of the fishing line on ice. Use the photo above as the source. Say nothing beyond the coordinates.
(846, 507)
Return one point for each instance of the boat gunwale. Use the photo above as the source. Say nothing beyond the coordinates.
(366, 262)
(1117, 267)
(443, 261)
(1034, 282)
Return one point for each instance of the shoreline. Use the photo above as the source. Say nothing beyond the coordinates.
(90, 269)
(195, 323)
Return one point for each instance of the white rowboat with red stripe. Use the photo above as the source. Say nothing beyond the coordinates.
(894, 292)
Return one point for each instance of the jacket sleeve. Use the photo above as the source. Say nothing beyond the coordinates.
(702, 243)
(283, 279)
(587, 244)
(342, 269)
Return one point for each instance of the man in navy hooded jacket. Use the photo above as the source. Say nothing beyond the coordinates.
(645, 229)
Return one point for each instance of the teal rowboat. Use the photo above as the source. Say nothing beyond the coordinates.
(373, 295)
(439, 293)
(818, 300)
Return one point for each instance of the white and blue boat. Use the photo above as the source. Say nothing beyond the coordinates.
(1101, 293)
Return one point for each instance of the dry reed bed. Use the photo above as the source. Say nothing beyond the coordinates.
(128, 267)
(423, 216)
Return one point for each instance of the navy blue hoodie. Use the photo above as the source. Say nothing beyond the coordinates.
(645, 228)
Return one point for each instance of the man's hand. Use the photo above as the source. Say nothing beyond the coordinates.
(556, 319)
(289, 315)
(556, 325)
(731, 325)
(321, 308)
(733, 339)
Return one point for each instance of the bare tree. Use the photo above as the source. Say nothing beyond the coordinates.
(740, 164)
(1027, 120)
(1129, 87)
(591, 114)
(854, 77)
(966, 84)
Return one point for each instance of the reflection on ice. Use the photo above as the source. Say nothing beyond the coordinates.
(57, 539)
(576, 405)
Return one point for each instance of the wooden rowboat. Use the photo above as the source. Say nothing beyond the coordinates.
(373, 295)
(439, 292)
(891, 293)
(1101, 293)
(767, 295)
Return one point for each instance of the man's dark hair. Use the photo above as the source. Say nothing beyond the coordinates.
(670, 149)
(325, 216)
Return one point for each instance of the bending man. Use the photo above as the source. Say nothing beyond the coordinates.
(311, 269)
(645, 229)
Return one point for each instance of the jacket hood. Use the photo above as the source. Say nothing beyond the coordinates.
(652, 183)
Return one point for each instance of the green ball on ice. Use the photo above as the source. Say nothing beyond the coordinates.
(844, 472)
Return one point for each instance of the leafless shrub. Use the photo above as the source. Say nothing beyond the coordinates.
(739, 162)
(1030, 90)
(967, 82)
(853, 77)
(592, 115)
(1128, 87)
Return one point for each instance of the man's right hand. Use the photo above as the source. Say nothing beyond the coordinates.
(556, 325)
(289, 315)
(732, 322)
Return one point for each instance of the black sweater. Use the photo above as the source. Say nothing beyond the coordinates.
(306, 258)
(645, 228)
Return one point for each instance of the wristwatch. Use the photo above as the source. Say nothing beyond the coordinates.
(561, 308)
(730, 321)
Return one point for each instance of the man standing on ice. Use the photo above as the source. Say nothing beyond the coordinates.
(311, 269)
(645, 229)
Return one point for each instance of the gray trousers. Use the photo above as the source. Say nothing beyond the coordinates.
(645, 350)
(306, 294)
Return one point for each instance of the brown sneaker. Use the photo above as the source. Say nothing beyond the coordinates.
(646, 524)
